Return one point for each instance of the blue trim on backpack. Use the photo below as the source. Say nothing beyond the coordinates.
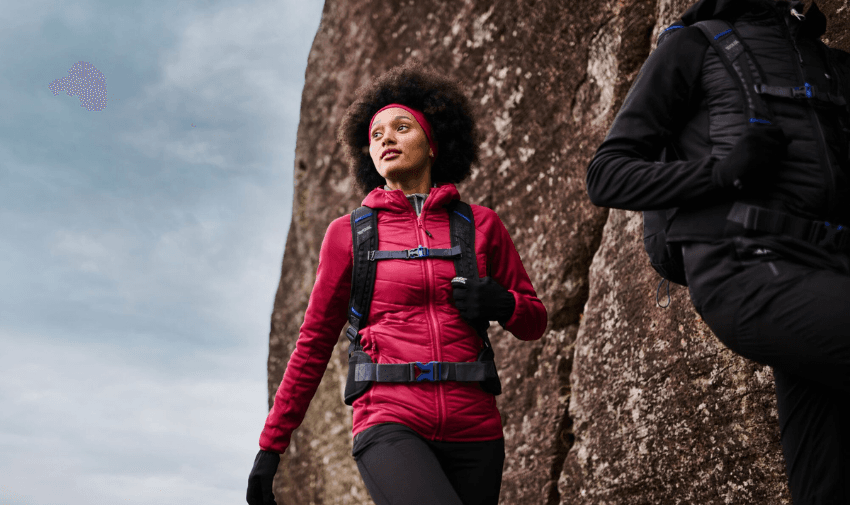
(673, 28)
(356, 313)
(461, 215)
(808, 90)
(760, 121)
(362, 217)
(722, 34)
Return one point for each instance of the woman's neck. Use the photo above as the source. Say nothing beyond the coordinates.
(413, 185)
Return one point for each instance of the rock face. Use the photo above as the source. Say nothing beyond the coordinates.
(621, 401)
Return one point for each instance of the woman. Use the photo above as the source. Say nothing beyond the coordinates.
(410, 137)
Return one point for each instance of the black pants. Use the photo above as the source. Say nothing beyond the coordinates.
(788, 307)
(399, 467)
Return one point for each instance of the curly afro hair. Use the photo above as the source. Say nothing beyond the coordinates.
(442, 101)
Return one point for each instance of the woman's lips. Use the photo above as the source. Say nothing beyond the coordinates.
(392, 154)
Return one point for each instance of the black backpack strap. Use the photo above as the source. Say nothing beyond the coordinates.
(738, 60)
(433, 371)
(364, 238)
(833, 236)
(415, 253)
(462, 229)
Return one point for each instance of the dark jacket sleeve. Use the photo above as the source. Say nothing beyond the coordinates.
(625, 172)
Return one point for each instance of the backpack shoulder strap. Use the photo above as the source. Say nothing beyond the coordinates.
(462, 229)
(364, 238)
(738, 60)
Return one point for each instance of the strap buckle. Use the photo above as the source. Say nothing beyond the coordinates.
(830, 235)
(804, 91)
(426, 371)
(351, 333)
(417, 252)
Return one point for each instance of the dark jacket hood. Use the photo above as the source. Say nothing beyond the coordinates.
(730, 9)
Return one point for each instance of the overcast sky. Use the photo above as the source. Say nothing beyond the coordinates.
(140, 244)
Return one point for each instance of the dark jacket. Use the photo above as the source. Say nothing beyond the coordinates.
(684, 100)
(412, 318)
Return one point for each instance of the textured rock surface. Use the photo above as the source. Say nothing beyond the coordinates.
(547, 78)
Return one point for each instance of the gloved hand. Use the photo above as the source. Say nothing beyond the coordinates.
(261, 477)
(482, 300)
(753, 158)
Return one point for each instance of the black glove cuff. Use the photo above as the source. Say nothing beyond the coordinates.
(265, 463)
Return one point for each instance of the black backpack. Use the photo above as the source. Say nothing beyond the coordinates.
(362, 372)
(745, 71)
(664, 257)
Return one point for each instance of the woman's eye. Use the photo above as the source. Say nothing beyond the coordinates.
(403, 126)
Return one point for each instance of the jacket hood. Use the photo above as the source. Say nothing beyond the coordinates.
(729, 9)
(396, 201)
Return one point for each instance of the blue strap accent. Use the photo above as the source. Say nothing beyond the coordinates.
(356, 313)
(760, 121)
(673, 27)
(362, 217)
(808, 90)
(461, 215)
(722, 34)
(426, 371)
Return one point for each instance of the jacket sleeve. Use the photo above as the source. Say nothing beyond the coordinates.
(625, 172)
(504, 266)
(324, 319)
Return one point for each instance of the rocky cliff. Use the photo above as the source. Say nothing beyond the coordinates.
(621, 401)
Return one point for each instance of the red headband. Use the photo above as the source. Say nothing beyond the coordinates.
(417, 115)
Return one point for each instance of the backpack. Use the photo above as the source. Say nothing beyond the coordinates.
(666, 258)
(362, 372)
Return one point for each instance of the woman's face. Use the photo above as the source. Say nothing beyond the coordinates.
(398, 146)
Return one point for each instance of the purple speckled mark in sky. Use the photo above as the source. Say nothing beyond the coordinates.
(86, 82)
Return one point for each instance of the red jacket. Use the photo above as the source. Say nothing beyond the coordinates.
(412, 318)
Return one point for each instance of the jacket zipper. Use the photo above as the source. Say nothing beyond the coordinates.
(823, 155)
(430, 291)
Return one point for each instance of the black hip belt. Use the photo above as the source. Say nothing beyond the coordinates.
(821, 233)
(432, 371)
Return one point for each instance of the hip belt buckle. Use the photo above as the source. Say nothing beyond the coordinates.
(426, 371)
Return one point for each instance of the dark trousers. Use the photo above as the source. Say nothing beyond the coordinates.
(399, 467)
(789, 308)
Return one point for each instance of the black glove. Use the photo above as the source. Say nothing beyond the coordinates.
(482, 300)
(753, 158)
(261, 478)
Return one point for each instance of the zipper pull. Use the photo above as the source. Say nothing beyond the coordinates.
(419, 222)
(797, 15)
